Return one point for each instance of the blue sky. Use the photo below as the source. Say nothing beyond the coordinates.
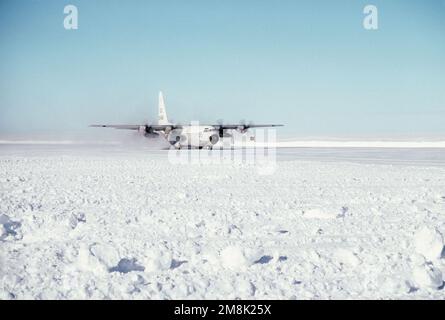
(308, 64)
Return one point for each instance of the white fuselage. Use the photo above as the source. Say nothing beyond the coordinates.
(193, 136)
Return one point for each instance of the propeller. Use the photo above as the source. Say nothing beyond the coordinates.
(243, 127)
(221, 131)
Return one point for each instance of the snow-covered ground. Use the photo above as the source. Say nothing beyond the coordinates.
(122, 222)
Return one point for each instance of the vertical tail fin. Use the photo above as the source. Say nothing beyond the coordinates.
(161, 110)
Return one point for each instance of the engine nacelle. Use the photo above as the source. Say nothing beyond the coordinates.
(214, 138)
(149, 132)
(242, 129)
(174, 137)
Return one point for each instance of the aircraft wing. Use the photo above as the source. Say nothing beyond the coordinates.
(160, 127)
(117, 126)
(138, 126)
(244, 126)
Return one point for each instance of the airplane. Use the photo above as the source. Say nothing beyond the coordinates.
(185, 136)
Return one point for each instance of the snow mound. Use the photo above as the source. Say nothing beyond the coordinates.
(346, 257)
(106, 254)
(321, 213)
(233, 258)
(427, 276)
(156, 260)
(87, 262)
(429, 243)
(183, 195)
(246, 288)
(238, 259)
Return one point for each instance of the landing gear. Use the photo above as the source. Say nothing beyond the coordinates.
(209, 147)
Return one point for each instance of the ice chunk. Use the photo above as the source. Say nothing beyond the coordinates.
(321, 213)
(429, 243)
(77, 218)
(157, 260)
(245, 288)
(183, 195)
(347, 257)
(233, 258)
(105, 253)
(393, 284)
(87, 262)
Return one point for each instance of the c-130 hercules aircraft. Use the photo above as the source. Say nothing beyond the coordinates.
(185, 136)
